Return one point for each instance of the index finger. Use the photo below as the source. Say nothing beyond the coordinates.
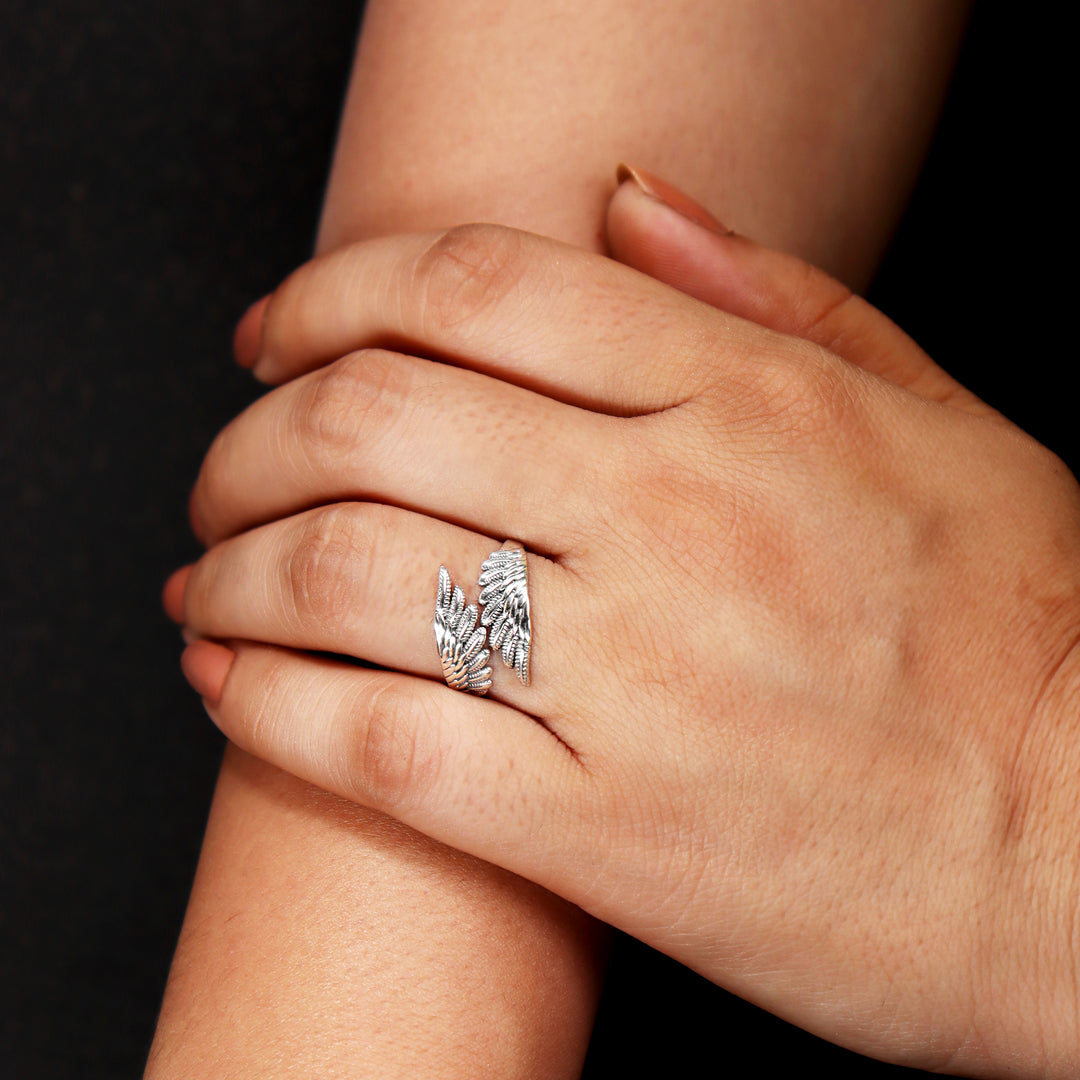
(572, 325)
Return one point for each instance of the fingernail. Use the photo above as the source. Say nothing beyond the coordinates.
(248, 336)
(206, 665)
(672, 197)
(172, 595)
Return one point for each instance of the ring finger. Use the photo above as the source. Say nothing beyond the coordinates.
(386, 426)
(359, 579)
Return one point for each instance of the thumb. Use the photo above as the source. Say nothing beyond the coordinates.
(658, 230)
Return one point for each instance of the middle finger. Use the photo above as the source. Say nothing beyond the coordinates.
(384, 426)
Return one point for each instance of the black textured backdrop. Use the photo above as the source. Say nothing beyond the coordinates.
(161, 165)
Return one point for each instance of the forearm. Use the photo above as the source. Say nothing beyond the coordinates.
(802, 126)
(323, 938)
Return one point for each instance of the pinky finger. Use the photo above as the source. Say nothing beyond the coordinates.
(467, 771)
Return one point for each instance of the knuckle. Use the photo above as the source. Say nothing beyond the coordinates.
(360, 391)
(326, 570)
(466, 271)
(395, 754)
(687, 510)
(808, 399)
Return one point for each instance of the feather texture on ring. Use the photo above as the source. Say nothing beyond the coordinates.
(461, 643)
(504, 602)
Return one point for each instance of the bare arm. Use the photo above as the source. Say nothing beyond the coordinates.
(801, 125)
(322, 939)
(326, 939)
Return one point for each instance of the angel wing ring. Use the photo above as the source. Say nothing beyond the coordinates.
(504, 602)
(461, 643)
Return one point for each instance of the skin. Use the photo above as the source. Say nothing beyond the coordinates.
(498, 120)
(843, 785)
(804, 126)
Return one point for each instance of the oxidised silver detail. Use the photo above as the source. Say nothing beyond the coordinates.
(461, 643)
(504, 600)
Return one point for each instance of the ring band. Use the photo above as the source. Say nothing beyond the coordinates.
(504, 603)
(461, 643)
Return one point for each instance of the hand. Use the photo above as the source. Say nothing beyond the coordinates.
(802, 712)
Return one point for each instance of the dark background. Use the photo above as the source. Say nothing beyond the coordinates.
(161, 165)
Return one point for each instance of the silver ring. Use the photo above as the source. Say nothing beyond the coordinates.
(504, 602)
(461, 643)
